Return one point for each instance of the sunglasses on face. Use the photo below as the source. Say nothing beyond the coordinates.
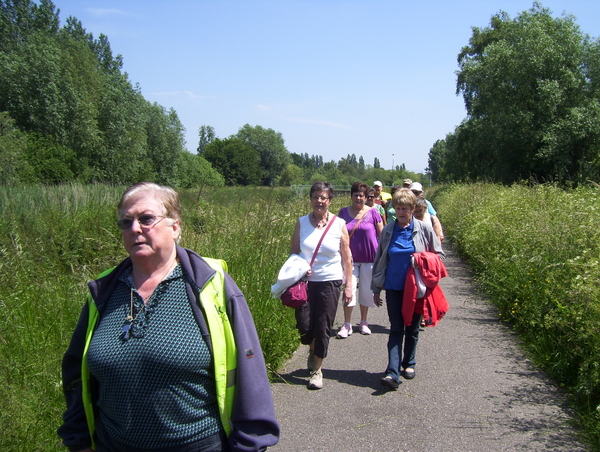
(145, 221)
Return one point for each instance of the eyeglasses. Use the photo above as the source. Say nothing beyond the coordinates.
(145, 221)
(319, 198)
(370, 197)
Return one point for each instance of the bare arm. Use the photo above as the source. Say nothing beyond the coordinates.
(347, 264)
(437, 228)
(379, 228)
(295, 249)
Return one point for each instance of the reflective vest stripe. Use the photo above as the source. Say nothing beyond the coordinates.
(214, 304)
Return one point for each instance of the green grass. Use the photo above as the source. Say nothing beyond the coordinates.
(54, 239)
(535, 251)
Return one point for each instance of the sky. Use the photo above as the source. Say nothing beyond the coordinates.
(373, 78)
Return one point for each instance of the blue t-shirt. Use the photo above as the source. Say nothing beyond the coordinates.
(399, 252)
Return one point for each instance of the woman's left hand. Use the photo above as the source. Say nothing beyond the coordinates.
(347, 294)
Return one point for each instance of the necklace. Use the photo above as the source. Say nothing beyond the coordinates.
(131, 328)
(318, 223)
(130, 318)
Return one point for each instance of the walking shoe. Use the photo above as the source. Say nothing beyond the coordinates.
(364, 329)
(389, 382)
(345, 331)
(408, 373)
(316, 380)
(310, 362)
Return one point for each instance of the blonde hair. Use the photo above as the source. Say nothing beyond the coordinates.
(166, 195)
(404, 197)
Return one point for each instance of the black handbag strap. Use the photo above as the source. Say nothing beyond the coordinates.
(321, 240)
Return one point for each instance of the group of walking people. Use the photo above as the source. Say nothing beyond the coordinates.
(165, 355)
(363, 257)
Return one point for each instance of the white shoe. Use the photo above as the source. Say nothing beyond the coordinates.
(364, 328)
(316, 380)
(345, 331)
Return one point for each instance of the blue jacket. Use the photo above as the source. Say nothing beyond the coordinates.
(253, 422)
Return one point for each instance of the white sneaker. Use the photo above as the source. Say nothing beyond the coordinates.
(345, 331)
(316, 380)
(364, 328)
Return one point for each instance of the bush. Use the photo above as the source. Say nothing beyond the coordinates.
(535, 251)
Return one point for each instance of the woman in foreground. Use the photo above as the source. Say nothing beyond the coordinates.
(333, 260)
(399, 241)
(165, 355)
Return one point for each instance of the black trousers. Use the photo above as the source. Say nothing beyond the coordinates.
(315, 319)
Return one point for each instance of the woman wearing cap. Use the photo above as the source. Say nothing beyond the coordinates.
(399, 241)
(417, 189)
(381, 197)
(364, 226)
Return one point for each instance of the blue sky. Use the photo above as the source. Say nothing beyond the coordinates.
(367, 77)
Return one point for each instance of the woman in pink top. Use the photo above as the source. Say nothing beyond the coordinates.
(364, 226)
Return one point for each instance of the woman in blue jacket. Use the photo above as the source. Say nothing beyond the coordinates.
(165, 355)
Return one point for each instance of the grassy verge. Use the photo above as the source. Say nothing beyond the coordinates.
(536, 253)
(54, 239)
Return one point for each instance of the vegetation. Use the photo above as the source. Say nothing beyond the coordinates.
(535, 251)
(54, 239)
(531, 87)
(68, 113)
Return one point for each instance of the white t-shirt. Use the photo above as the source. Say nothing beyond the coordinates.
(328, 263)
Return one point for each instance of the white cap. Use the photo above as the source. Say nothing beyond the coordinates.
(416, 186)
(377, 183)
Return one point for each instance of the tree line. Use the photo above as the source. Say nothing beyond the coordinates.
(69, 113)
(531, 88)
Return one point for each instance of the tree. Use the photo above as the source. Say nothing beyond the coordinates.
(12, 151)
(292, 175)
(376, 163)
(437, 156)
(195, 171)
(274, 157)
(237, 162)
(530, 89)
(206, 135)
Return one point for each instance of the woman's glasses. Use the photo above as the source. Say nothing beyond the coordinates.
(145, 221)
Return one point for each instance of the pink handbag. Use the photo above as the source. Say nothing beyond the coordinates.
(296, 295)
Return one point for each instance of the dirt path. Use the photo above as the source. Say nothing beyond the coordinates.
(474, 390)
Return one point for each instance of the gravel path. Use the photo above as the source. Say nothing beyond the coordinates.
(474, 390)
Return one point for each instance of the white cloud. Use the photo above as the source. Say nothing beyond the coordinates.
(104, 12)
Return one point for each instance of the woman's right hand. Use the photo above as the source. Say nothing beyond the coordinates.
(377, 299)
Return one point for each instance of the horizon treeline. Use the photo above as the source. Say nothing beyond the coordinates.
(68, 113)
(531, 88)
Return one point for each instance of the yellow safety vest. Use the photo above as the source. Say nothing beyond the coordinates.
(213, 302)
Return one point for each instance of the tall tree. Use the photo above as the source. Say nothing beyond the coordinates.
(274, 156)
(528, 84)
(206, 135)
(235, 160)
